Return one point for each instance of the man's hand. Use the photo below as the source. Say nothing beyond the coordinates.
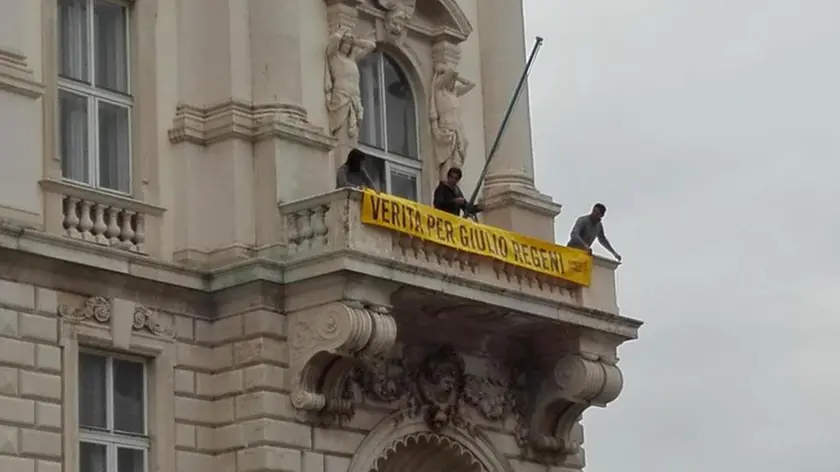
(460, 200)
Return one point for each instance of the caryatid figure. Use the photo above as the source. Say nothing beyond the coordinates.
(445, 114)
(341, 81)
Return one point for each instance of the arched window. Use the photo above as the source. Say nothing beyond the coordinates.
(388, 131)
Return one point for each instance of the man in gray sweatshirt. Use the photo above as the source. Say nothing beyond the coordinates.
(588, 228)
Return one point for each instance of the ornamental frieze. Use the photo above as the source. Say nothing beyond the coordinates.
(546, 402)
(100, 310)
(440, 389)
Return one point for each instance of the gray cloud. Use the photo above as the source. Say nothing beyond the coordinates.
(709, 130)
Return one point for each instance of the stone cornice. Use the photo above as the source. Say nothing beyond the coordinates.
(17, 77)
(107, 259)
(236, 119)
(457, 33)
(523, 197)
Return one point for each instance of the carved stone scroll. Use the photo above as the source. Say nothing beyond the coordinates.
(325, 345)
(149, 320)
(94, 309)
(577, 382)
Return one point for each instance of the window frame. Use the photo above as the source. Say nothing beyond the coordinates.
(95, 95)
(393, 161)
(111, 439)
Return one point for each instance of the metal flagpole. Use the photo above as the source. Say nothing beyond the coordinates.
(495, 147)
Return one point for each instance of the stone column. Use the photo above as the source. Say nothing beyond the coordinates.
(510, 198)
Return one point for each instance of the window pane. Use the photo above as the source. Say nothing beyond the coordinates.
(114, 161)
(73, 130)
(376, 169)
(93, 457)
(110, 46)
(129, 411)
(399, 111)
(130, 460)
(73, 39)
(372, 128)
(93, 397)
(403, 184)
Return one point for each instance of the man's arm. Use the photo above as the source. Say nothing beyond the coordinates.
(369, 183)
(341, 178)
(602, 238)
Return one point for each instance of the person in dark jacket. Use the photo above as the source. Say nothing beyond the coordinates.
(352, 174)
(449, 198)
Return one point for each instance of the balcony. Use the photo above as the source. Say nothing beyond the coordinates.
(325, 234)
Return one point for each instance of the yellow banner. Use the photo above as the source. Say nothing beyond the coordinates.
(439, 227)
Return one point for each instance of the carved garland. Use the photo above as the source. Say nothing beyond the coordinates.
(148, 320)
(94, 309)
(440, 389)
(100, 310)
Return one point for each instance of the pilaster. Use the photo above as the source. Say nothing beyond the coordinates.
(214, 199)
(20, 112)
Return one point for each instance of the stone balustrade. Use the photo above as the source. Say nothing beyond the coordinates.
(101, 218)
(329, 227)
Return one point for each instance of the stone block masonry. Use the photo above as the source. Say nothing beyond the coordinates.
(30, 380)
(233, 410)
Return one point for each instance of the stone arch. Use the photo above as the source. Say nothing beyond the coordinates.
(406, 444)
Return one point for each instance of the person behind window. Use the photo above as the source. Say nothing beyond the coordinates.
(449, 198)
(353, 174)
(588, 228)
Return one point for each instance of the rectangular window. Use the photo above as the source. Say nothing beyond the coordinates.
(94, 96)
(113, 425)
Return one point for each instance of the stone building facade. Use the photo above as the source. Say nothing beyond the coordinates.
(182, 288)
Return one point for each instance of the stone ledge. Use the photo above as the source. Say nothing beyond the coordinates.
(16, 76)
(237, 119)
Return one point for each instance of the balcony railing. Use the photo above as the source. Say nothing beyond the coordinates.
(327, 226)
(101, 218)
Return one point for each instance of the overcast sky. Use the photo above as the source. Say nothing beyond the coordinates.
(710, 130)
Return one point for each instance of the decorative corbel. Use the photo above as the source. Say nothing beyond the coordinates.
(577, 381)
(325, 346)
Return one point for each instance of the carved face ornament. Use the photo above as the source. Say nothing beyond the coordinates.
(396, 20)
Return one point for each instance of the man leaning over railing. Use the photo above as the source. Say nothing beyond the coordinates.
(588, 228)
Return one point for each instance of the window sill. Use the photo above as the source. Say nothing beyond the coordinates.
(106, 198)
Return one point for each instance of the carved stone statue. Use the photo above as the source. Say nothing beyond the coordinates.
(445, 114)
(341, 81)
(398, 14)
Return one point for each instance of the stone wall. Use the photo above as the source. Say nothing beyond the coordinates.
(221, 386)
(30, 380)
